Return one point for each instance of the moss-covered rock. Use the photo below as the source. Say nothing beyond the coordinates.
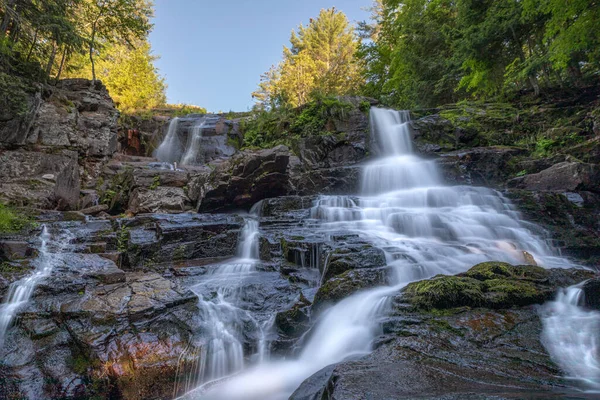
(492, 285)
(349, 282)
(445, 292)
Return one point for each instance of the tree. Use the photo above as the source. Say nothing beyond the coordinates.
(321, 60)
(113, 21)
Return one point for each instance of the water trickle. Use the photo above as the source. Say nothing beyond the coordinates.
(19, 292)
(570, 334)
(425, 229)
(225, 322)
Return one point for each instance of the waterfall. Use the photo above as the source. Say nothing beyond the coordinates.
(225, 322)
(170, 149)
(193, 146)
(19, 292)
(570, 334)
(425, 229)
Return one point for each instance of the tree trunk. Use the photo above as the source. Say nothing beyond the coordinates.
(32, 45)
(62, 64)
(6, 20)
(51, 60)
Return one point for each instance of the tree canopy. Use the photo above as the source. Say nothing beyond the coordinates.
(45, 40)
(423, 53)
(321, 60)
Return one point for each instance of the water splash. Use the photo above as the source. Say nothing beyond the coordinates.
(570, 334)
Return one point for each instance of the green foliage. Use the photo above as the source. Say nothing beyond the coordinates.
(283, 125)
(13, 96)
(320, 62)
(122, 238)
(12, 221)
(45, 39)
(155, 182)
(426, 53)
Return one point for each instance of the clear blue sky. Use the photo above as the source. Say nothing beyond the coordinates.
(214, 51)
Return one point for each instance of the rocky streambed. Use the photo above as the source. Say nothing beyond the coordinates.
(133, 303)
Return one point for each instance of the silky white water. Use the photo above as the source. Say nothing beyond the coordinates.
(225, 323)
(424, 227)
(571, 335)
(169, 150)
(19, 292)
(193, 146)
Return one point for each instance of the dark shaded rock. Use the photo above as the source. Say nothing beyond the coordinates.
(565, 176)
(485, 166)
(591, 291)
(327, 151)
(353, 257)
(42, 180)
(282, 205)
(574, 225)
(338, 180)
(316, 387)
(94, 210)
(244, 179)
(492, 285)
(295, 321)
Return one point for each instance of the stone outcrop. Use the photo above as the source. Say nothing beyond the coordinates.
(243, 180)
(51, 153)
(564, 176)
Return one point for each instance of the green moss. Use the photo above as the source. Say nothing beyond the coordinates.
(12, 221)
(490, 270)
(155, 182)
(445, 292)
(123, 239)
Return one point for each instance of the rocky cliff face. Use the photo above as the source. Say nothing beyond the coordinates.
(52, 151)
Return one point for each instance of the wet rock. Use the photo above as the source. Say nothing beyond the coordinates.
(316, 387)
(327, 151)
(295, 321)
(94, 210)
(565, 176)
(159, 200)
(337, 180)
(350, 282)
(591, 291)
(574, 227)
(352, 257)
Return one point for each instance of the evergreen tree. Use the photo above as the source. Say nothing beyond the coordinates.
(321, 61)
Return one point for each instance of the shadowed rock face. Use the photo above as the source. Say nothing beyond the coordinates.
(565, 176)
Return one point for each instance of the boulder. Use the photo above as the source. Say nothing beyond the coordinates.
(591, 291)
(244, 179)
(23, 183)
(492, 285)
(158, 200)
(564, 176)
(352, 257)
(346, 284)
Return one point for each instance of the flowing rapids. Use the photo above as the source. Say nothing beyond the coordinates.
(425, 229)
(19, 293)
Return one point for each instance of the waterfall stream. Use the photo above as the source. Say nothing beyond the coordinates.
(425, 229)
(19, 292)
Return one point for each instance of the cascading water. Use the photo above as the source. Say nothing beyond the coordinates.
(425, 229)
(225, 322)
(193, 146)
(170, 149)
(20, 292)
(571, 336)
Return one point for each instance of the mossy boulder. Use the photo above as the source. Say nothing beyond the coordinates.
(492, 285)
(348, 283)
